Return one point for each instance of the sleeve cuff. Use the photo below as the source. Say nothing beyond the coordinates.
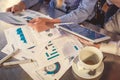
(109, 48)
(26, 3)
(109, 2)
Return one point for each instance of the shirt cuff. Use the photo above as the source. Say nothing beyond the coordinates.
(62, 19)
(111, 48)
(109, 2)
(65, 19)
(26, 3)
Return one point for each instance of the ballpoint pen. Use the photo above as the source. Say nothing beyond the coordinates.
(8, 56)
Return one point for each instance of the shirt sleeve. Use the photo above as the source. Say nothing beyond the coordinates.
(84, 10)
(30, 3)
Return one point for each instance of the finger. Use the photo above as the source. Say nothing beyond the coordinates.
(30, 24)
(33, 26)
(32, 21)
(85, 42)
(40, 29)
(35, 20)
(14, 9)
(37, 27)
(38, 19)
(8, 9)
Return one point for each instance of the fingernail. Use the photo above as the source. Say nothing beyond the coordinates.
(28, 20)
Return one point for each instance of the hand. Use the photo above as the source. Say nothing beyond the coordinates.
(41, 24)
(88, 43)
(116, 2)
(17, 8)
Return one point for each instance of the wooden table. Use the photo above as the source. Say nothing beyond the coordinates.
(112, 62)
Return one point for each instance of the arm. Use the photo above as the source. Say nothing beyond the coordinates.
(112, 47)
(84, 10)
(42, 24)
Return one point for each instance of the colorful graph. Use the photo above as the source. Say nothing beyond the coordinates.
(52, 52)
(52, 69)
(21, 35)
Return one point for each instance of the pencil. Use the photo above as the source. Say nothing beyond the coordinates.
(8, 56)
(17, 62)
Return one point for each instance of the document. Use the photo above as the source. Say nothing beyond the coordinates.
(54, 60)
(12, 19)
(25, 37)
(52, 51)
(60, 48)
(20, 18)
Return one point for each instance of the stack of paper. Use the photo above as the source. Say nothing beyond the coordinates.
(54, 60)
(52, 51)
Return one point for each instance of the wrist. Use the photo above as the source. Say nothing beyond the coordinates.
(51, 22)
(22, 5)
(54, 21)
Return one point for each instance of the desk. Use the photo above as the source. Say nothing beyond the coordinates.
(112, 62)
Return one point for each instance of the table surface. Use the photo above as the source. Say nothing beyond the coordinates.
(111, 62)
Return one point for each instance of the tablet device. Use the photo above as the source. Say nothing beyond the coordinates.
(84, 32)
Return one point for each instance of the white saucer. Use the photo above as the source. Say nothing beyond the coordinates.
(83, 73)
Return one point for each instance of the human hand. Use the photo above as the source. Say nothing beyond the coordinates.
(17, 8)
(41, 24)
(88, 43)
(116, 2)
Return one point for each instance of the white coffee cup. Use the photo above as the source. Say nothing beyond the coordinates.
(90, 58)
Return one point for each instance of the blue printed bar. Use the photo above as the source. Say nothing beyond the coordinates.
(53, 57)
(21, 35)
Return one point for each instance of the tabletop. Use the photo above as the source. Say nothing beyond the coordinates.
(111, 62)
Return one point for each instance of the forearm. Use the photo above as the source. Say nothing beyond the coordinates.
(74, 16)
(83, 12)
(54, 21)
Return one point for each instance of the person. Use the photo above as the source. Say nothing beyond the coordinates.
(113, 23)
(112, 26)
(78, 11)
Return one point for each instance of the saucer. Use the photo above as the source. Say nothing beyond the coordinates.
(83, 73)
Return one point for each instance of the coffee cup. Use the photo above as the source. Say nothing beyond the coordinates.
(90, 58)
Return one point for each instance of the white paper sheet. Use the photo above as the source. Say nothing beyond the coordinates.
(20, 18)
(46, 69)
(67, 51)
(24, 37)
(46, 48)
(12, 19)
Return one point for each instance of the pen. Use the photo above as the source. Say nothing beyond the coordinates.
(57, 24)
(17, 62)
(8, 56)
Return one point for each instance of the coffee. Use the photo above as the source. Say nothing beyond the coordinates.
(91, 60)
